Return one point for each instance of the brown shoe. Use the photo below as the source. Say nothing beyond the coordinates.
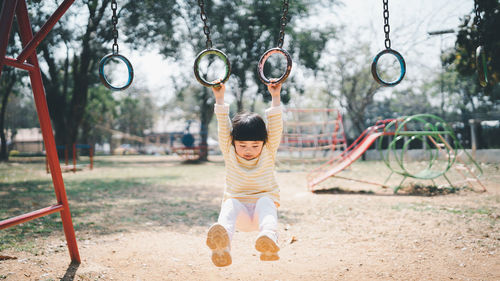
(267, 248)
(218, 242)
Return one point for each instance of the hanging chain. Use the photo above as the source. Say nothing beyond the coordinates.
(114, 21)
(206, 30)
(387, 28)
(477, 21)
(283, 22)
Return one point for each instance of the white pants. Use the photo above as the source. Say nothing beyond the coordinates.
(262, 216)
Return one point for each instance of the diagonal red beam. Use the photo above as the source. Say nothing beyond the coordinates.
(6, 17)
(22, 65)
(30, 216)
(46, 28)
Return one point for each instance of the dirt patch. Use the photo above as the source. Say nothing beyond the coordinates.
(357, 232)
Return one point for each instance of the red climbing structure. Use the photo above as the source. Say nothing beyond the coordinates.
(311, 135)
(348, 156)
(28, 60)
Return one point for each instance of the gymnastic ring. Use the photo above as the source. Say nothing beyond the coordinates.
(103, 77)
(482, 67)
(263, 59)
(402, 65)
(197, 61)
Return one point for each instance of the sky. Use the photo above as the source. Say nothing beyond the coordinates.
(363, 20)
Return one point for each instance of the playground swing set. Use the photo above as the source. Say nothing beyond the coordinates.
(28, 60)
(74, 158)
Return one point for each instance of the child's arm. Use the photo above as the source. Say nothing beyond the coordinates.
(274, 118)
(219, 94)
(222, 112)
(275, 91)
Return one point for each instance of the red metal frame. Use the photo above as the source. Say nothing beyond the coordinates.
(348, 156)
(302, 140)
(91, 155)
(30, 42)
(75, 147)
(190, 153)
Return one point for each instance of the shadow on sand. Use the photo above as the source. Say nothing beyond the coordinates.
(70, 272)
(411, 190)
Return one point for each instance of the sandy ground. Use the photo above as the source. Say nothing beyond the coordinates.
(332, 236)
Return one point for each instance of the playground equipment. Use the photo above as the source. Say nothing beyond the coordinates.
(388, 50)
(73, 167)
(277, 50)
(115, 55)
(209, 51)
(28, 60)
(260, 66)
(311, 135)
(189, 151)
(433, 132)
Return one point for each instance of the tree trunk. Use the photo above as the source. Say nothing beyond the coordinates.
(4, 155)
(56, 100)
(206, 114)
(67, 116)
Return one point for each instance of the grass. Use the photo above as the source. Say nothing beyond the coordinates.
(120, 194)
(126, 193)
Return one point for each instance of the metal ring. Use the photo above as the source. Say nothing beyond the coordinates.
(402, 65)
(263, 59)
(197, 61)
(482, 67)
(103, 77)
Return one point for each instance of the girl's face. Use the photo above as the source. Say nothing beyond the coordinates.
(248, 149)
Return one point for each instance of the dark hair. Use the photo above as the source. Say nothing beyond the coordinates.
(248, 126)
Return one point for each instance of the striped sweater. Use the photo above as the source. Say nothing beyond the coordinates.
(248, 180)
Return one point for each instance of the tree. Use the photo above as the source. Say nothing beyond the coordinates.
(72, 85)
(468, 38)
(242, 29)
(101, 111)
(135, 113)
(67, 80)
(401, 102)
(7, 83)
(349, 80)
(10, 81)
(69, 57)
(194, 104)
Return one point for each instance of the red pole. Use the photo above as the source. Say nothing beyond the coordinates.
(44, 30)
(26, 34)
(91, 153)
(6, 18)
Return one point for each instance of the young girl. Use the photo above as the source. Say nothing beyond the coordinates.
(251, 194)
